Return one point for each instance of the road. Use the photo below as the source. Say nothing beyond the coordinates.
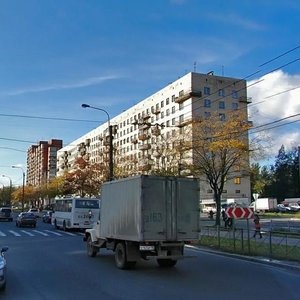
(47, 264)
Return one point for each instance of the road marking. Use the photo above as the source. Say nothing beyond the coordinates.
(53, 232)
(14, 233)
(2, 233)
(69, 233)
(40, 232)
(27, 232)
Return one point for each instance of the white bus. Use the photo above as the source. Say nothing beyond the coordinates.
(75, 213)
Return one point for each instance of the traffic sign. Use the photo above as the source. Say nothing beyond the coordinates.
(239, 212)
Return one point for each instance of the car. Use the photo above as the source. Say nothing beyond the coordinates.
(294, 207)
(26, 219)
(47, 216)
(2, 268)
(34, 211)
(282, 208)
(6, 214)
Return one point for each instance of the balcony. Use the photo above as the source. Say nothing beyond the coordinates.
(155, 131)
(144, 147)
(245, 99)
(188, 95)
(183, 123)
(143, 136)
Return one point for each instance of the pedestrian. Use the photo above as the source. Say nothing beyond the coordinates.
(257, 226)
(211, 214)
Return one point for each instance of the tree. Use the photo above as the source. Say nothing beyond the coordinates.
(220, 151)
(85, 179)
(284, 175)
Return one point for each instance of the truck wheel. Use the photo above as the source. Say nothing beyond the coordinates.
(166, 263)
(91, 249)
(120, 257)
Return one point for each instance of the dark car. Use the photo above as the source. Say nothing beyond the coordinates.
(47, 217)
(26, 219)
(3, 268)
(6, 214)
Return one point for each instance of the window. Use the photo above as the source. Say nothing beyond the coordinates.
(221, 105)
(167, 112)
(237, 180)
(162, 115)
(234, 106)
(181, 93)
(162, 104)
(234, 94)
(206, 90)
(173, 121)
(173, 109)
(207, 114)
(181, 106)
(181, 118)
(221, 93)
(168, 124)
(222, 117)
(173, 98)
(167, 101)
(207, 103)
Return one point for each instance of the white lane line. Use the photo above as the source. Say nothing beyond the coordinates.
(69, 233)
(40, 232)
(53, 232)
(2, 233)
(27, 232)
(14, 233)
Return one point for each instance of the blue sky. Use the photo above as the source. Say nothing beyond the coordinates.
(56, 55)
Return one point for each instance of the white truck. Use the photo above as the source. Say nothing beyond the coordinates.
(144, 217)
(264, 204)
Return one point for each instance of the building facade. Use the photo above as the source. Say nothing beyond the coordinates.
(147, 137)
(41, 162)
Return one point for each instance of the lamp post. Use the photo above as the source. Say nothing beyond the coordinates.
(111, 166)
(10, 187)
(23, 185)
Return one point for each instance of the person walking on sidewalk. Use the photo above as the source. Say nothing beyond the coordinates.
(257, 226)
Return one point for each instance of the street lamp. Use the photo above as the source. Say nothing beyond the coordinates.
(111, 166)
(23, 186)
(10, 187)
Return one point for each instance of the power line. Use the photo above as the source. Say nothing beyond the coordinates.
(47, 118)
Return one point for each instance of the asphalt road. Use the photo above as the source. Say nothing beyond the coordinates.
(50, 264)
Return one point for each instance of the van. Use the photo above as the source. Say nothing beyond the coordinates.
(6, 214)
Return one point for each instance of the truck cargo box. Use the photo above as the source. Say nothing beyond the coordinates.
(150, 208)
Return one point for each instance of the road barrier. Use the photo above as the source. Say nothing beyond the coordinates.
(274, 244)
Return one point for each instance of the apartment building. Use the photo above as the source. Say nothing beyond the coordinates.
(41, 162)
(146, 137)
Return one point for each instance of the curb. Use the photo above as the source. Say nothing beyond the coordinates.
(262, 260)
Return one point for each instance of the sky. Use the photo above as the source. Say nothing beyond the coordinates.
(56, 55)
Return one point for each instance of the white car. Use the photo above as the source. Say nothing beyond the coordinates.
(35, 211)
(282, 208)
(294, 207)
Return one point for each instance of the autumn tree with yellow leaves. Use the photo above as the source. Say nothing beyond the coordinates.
(220, 149)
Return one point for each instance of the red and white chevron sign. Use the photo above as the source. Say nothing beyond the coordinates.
(239, 212)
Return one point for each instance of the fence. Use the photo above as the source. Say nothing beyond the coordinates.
(277, 243)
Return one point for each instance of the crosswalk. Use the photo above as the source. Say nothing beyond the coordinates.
(36, 232)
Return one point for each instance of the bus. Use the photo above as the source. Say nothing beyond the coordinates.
(75, 213)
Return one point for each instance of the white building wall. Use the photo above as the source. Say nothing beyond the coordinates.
(163, 110)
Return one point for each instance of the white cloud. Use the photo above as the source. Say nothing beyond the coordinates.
(277, 97)
(60, 86)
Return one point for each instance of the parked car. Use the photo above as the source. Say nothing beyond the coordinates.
(294, 207)
(6, 214)
(35, 211)
(3, 268)
(283, 208)
(26, 219)
(47, 216)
